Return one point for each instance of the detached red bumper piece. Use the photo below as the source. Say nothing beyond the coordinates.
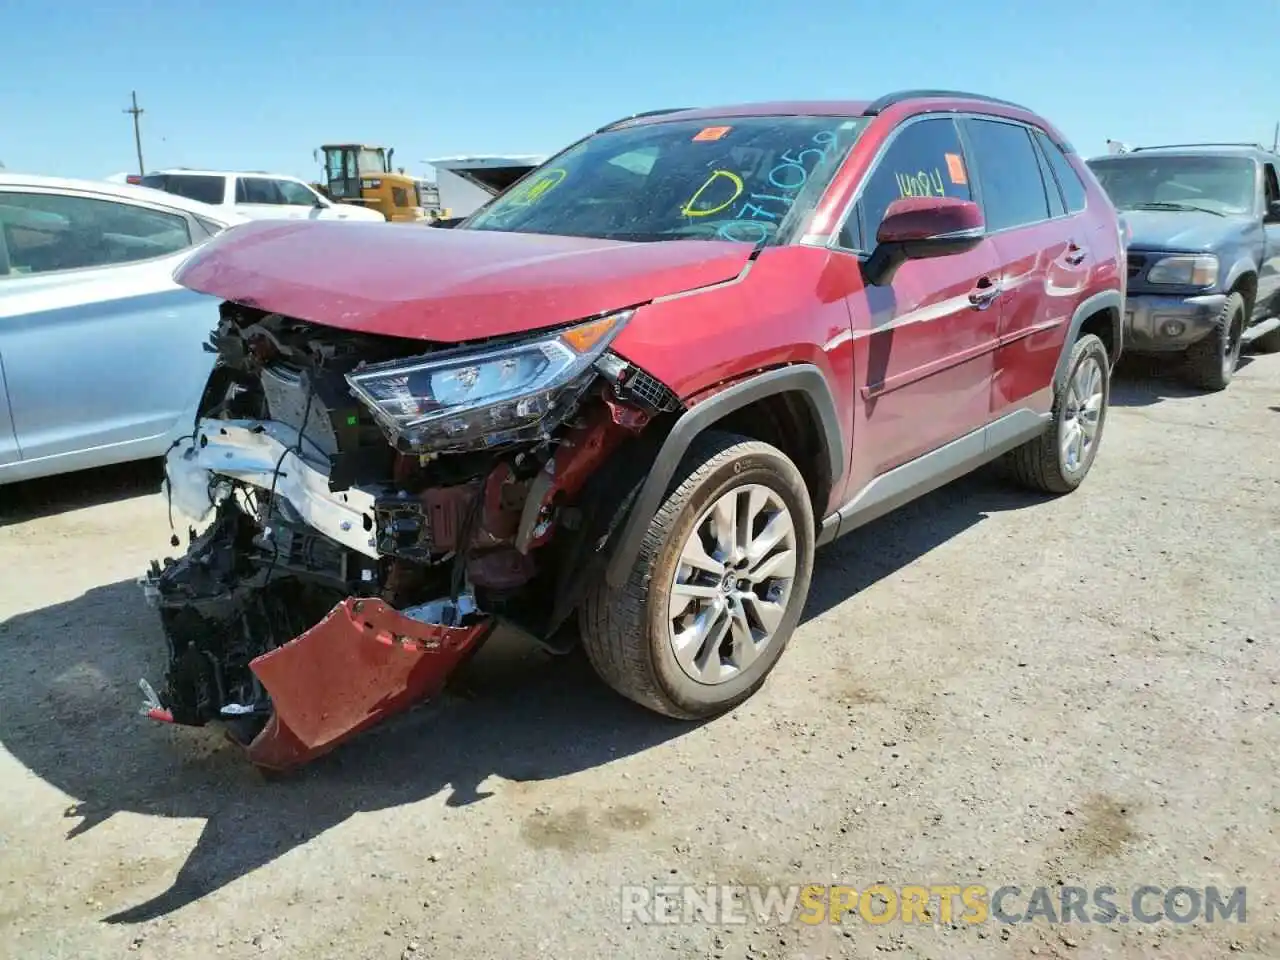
(364, 662)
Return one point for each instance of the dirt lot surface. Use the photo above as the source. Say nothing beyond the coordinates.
(987, 688)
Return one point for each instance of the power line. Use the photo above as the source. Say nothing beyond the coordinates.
(137, 111)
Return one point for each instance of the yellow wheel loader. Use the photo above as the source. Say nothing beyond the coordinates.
(360, 174)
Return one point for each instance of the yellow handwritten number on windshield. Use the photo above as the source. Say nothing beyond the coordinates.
(539, 187)
(688, 209)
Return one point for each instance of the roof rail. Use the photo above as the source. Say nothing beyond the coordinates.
(1173, 146)
(646, 113)
(890, 99)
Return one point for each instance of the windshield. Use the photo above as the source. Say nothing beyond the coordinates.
(1219, 185)
(732, 179)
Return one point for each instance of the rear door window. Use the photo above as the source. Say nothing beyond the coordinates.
(1013, 192)
(258, 190)
(46, 232)
(924, 159)
(194, 186)
(1073, 191)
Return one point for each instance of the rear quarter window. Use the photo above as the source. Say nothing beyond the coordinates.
(193, 186)
(209, 226)
(1073, 191)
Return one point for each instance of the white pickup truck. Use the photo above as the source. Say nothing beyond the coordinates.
(258, 196)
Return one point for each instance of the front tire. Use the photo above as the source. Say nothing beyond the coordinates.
(1211, 361)
(717, 588)
(1059, 459)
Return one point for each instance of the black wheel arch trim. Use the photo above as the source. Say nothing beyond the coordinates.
(1241, 268)
(803, 378)
(1106, 300)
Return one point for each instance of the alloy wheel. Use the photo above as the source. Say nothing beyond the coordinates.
(1082, 416)
(732, 584)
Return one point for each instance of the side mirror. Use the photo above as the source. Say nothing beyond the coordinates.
(1273, 212)
(448, 222)
(920, 228)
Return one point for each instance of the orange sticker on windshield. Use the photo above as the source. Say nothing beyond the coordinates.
(711, 133)
(955, 169)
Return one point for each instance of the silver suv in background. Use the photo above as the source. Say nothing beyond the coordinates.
(258, 196)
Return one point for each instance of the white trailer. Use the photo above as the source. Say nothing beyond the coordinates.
(467, 183)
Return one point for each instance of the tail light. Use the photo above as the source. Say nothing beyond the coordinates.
(134, 178)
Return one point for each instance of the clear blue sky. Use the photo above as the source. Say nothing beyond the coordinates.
(257, 84)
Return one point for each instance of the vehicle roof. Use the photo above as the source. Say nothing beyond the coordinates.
(477, 161)
(1251, 151)
(821, 108)
(122, 191)
(829, 108)
(200, 172)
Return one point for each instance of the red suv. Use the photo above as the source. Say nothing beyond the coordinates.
(641, 386)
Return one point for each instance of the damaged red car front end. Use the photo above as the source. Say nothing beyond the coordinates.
(368, 499)
(362, 663)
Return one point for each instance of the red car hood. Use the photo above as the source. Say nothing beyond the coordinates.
(445, 285)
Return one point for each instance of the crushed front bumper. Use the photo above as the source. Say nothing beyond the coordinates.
(361, 663)
(358, 666)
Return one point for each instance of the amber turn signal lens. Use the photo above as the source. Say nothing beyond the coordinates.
(585, 336)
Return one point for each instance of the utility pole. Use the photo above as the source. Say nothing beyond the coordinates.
(137, 111)
(1275, 139)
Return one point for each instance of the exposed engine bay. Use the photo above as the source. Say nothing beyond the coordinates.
(364, 510)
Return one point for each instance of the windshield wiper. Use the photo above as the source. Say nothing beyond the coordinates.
(1173, 205)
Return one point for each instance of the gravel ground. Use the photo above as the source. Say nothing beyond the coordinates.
(988, 687)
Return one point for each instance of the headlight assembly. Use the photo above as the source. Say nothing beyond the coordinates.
(474, 398)
(1185, 271)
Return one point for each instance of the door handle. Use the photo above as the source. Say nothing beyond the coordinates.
(984, 293)
(1075, 255)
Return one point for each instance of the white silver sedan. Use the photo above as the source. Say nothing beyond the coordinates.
(102, 355)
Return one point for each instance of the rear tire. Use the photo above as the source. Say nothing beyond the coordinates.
(692, 640)
(1059, 459)
(1211, 362)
